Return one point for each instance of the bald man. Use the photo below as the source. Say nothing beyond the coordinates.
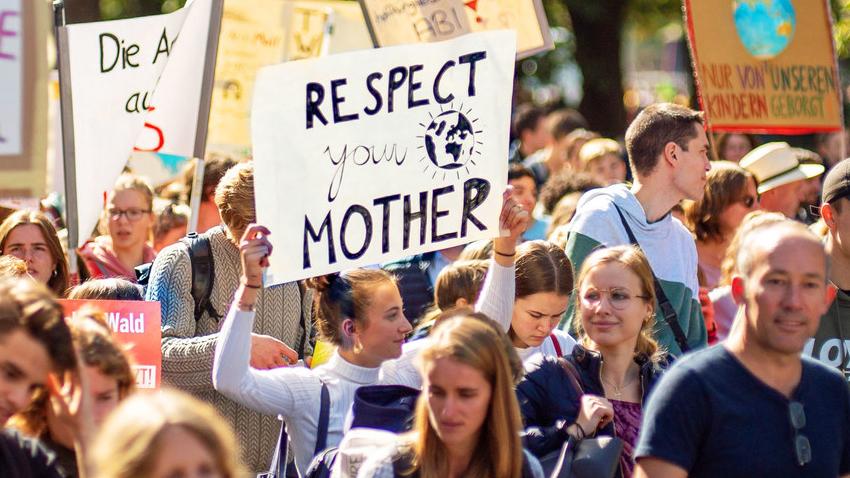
(752, 406)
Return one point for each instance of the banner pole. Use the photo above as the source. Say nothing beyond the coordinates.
(67, 118)
(216, 12)
(197, 193)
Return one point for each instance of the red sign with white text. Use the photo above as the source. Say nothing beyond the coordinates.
(137, 324)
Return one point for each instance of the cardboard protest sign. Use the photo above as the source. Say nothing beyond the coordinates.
(398, 22)
(252, 36)
(114, 69)
(309, 32)
(765, 66)
(526, 17)
(136, 324)
(348, 30)
(369, 156)
(23, 97)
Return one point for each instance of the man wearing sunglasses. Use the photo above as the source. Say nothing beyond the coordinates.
(753, 406)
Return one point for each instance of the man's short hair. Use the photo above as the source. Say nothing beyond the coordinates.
(564, 121)
(29, 306)
(234, 197)
(526, 118)
(653, 128)
(751, 241)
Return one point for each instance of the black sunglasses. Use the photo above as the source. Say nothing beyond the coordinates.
(802, 447)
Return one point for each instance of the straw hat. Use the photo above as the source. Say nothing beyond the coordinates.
(776, 164)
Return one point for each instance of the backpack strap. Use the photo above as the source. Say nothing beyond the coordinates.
(324, 416)
(556, 344)
(203, 273)
(664, 304)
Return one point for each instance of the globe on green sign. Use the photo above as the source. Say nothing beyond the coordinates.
(449, 140)
(765, 27)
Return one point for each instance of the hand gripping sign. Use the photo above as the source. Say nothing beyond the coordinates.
(370, 156)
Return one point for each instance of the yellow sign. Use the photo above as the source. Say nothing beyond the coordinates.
(765, 66)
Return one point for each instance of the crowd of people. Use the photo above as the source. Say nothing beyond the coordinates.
(679, 296)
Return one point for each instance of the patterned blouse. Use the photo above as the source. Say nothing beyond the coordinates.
(627, 427)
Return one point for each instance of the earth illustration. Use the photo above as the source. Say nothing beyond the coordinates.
(449, 140)
(765, 27)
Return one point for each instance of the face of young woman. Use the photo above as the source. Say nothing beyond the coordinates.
(27, 243)
(181, 455)
(733, 215)
(103, 392)
(130, 219)
(458, 401)
(24, 364)
(608, 170)
(535, 316)
(386, 326)
(612, 311)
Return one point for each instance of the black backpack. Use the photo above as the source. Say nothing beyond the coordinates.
(203, 273)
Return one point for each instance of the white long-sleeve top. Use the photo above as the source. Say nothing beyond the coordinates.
(292, 392)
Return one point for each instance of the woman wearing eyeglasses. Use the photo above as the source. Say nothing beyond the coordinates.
(129, 221)
(616, 361)
(730, 193)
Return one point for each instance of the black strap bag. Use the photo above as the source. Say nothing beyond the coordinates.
(597, 457)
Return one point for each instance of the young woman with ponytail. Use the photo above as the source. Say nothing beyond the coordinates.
(359, 311)
(616, 361)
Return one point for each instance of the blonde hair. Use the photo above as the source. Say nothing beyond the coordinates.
(234, 197)
(99, 349)
(752, 220)
(128, 443)
(131, 182)
(634, 260)
(473, 341)
(597, 148)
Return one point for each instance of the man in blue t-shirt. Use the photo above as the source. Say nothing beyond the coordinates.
(752, 407)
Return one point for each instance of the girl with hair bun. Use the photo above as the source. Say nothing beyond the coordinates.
(360, 312)
(616, 363)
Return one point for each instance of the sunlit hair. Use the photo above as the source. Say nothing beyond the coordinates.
(459, 280)
(129, 442)
(726, 184)
(597, 148)
(98, 349)
(635, 261)
(234, 197)
(474, 342)
(542, 267)
(59, 277)
(753, 239)
(751, 221)
(11, 266)
(345, 296)
(131, 182)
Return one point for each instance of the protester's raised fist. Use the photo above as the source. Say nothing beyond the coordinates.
(514, 219)
(254, 250)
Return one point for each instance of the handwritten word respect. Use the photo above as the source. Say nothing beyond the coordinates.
(382, 91)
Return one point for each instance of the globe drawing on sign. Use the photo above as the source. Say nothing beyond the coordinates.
(449, 140)
(765, 27)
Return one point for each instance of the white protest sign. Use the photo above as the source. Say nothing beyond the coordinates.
(11, 74)
(369, 156)
(114, 69)
(172, 121)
